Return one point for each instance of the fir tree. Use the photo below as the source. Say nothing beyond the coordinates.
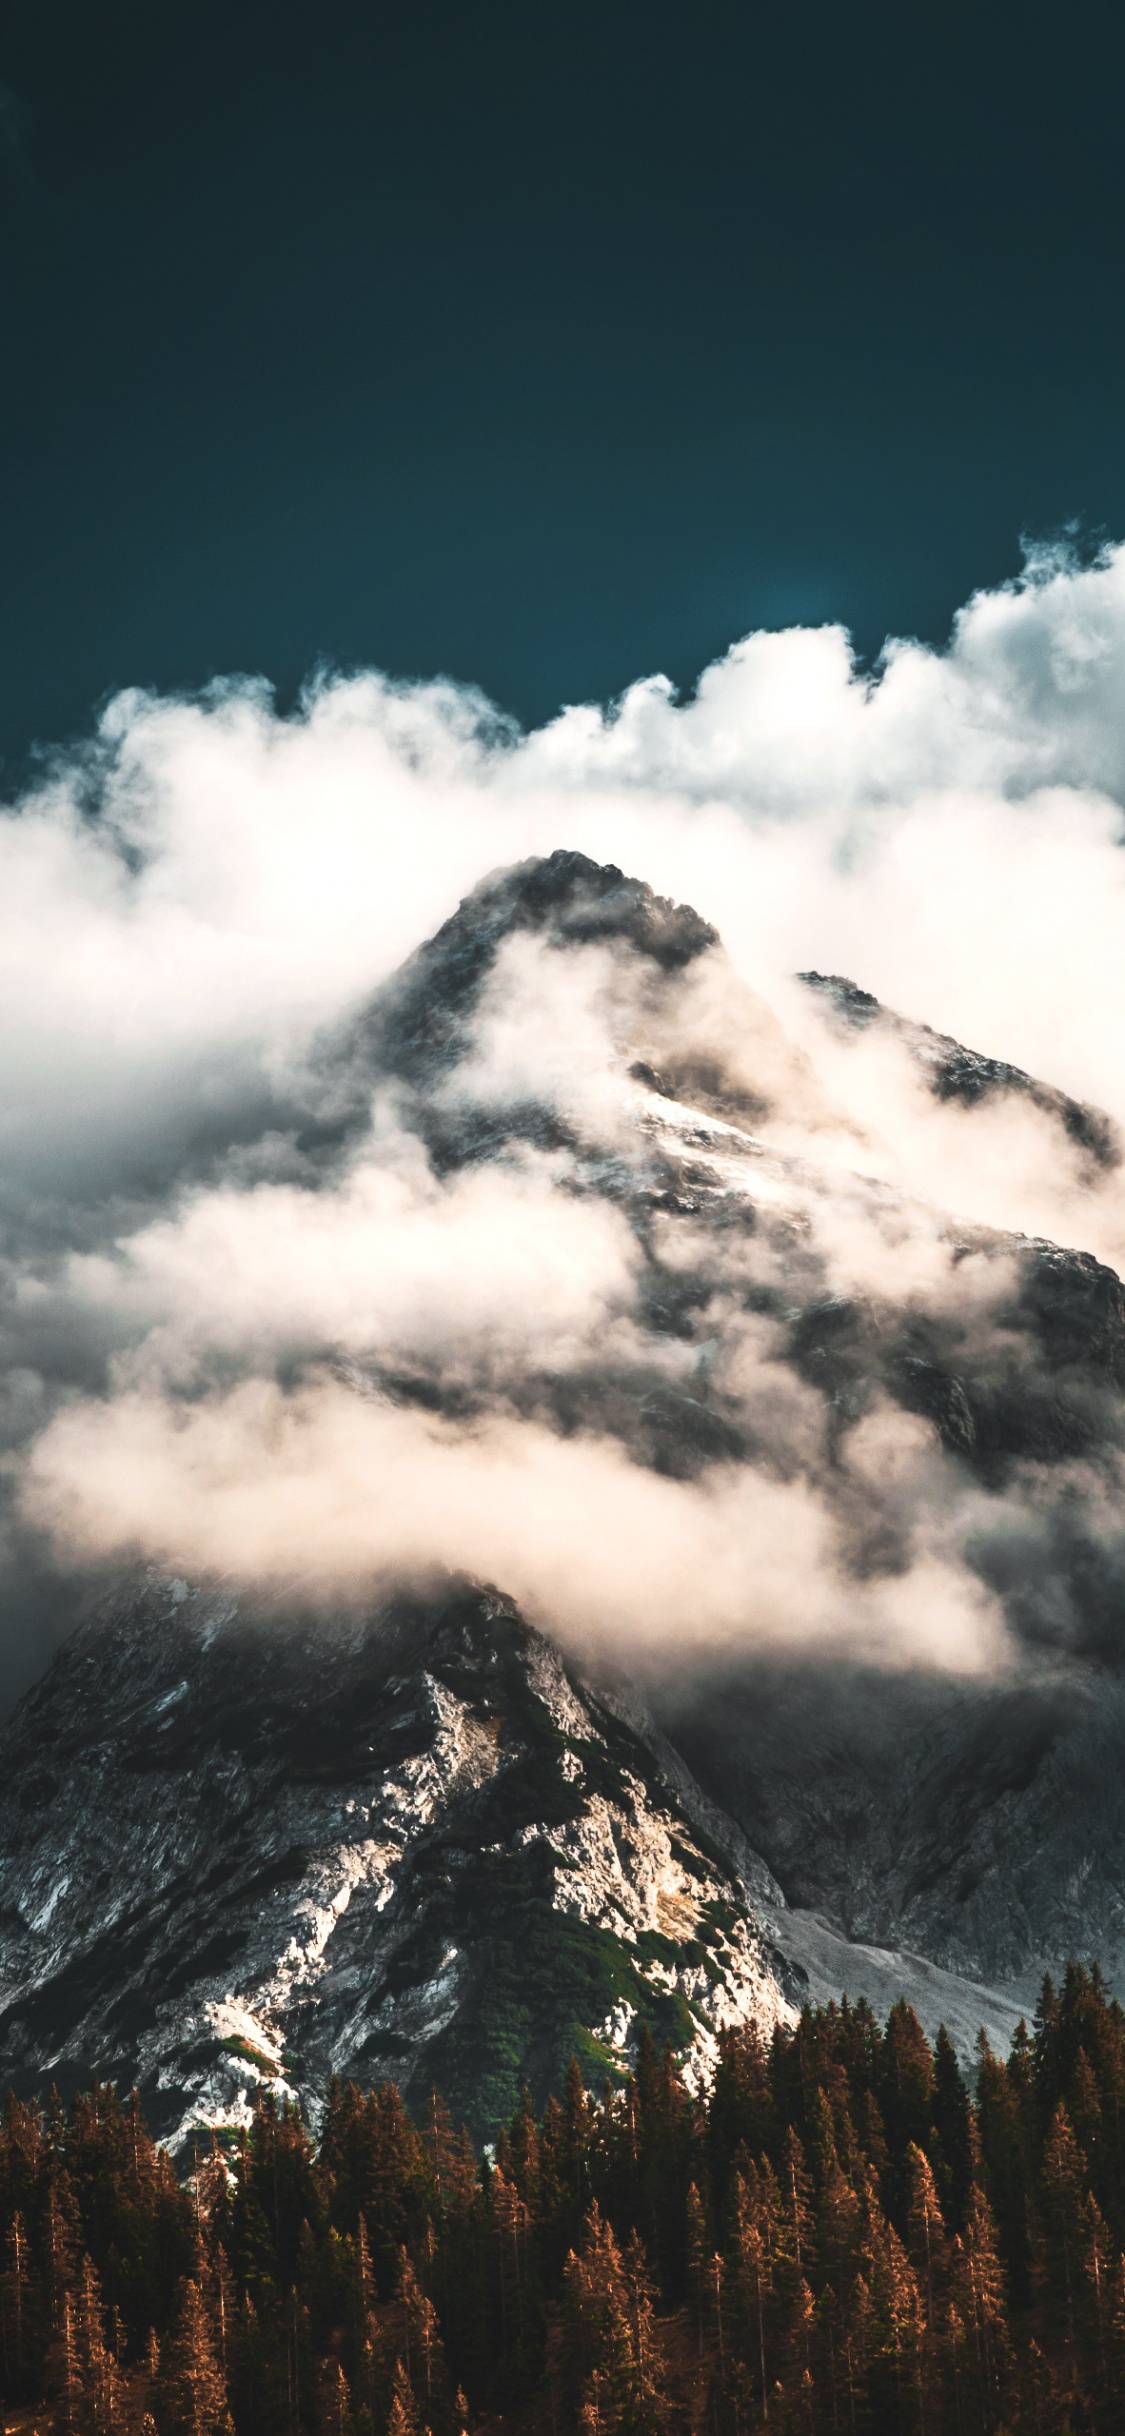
(193, 2397)
(958, 2149)
(926, 2229)
(64, 2369)
(334, 2402)
(102, 2411)
(403, 2419)
(16, 2312)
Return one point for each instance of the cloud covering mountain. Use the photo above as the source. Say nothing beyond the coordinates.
(587, 1252)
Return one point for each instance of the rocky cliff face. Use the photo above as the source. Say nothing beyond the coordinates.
(981, 1828)
(247, 1849)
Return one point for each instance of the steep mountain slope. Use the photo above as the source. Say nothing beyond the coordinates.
(734, 1221)
(977, 1826)
(983, 1828)
(240, 1848)
(405, 1840)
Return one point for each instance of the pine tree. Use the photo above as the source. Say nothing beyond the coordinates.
(150, 2374)
(958, 2148)
(60, 2246)
(838, 2215)
(857, 2344)
(213, 2199)
(751, 2283)
(219, 2293)
(193, 2398)
(799, 2336)
(16, 2307)
(1063, 2182)
(648, 2401)
(1096, 2297)
(741, 2113)
(419, 2337)
(364, 2330)
(697, 2257)
(897, 2321)
(524, 2147)
(577, 2133)
(403, 2419)
(1084, 2107)
(64, 2369)
(873, 2139)
(334, 2402)
(1046, 2055)
(511, 2223)
(1007, 2132)
(796, 2221)
(925, 2228)
(610, 2373)
(102, 2407)
(977, 2282)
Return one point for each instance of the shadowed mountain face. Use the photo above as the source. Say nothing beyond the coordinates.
(983, 1829)
(397, 1835)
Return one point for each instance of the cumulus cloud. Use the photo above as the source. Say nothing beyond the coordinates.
(614, 1406)
(208, 882)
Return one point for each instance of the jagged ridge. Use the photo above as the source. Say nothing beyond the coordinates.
(241, 1847)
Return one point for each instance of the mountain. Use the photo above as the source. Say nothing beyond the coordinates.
(248, 1839)
(246, 1849)
(964, 1075)
(982, 1828)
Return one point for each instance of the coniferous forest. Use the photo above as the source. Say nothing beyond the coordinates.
(841, 2237)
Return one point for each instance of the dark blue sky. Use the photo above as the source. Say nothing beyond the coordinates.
(544, 345)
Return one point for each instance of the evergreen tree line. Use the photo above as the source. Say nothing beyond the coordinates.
(841, 2237)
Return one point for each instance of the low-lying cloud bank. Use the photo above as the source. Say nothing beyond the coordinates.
(254, 1321)
(324, 1490)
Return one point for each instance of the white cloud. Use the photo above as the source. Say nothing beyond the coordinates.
(948, 832)
(181, 910)
(497, 1266)
(326, 1491)
(1026, 697)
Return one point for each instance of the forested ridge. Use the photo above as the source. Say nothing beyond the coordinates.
(840, 2237)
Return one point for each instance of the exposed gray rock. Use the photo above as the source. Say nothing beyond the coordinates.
(828, 1965)
(246, 1848)
(982, 1828)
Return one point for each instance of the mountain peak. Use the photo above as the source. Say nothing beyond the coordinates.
(419, 1024)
